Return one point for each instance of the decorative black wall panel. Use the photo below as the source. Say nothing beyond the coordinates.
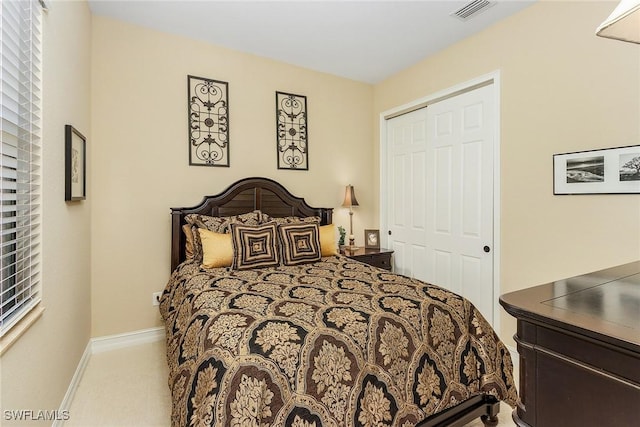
(208, 122)
(292, 131)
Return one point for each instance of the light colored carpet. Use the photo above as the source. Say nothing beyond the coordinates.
(125, 387)
(128, 387)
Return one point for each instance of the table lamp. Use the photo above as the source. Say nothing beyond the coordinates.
(349, 202)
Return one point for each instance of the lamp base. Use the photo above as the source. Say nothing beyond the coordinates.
(350, 249)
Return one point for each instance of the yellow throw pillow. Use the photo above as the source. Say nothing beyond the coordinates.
(216, 249)
(328, 244)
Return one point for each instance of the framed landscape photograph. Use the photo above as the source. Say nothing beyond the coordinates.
(604, 171)
(75, 164)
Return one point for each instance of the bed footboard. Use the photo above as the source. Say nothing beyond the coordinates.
(485, 407)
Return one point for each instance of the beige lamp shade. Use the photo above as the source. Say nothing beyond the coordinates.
(349, 197)
(624, 22)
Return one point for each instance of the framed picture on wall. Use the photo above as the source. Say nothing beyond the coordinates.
(75, 164)
(603, 171)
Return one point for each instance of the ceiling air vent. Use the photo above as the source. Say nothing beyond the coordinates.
(471, 9)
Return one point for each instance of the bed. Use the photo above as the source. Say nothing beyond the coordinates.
(313, 341)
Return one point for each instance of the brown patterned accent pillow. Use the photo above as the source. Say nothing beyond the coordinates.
(263, 217)
(218, 224)
(254, 246)
(299, 243)
(294, 219)
(188, 236)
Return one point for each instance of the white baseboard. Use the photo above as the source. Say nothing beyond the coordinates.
(114, 342)
(102, 344)
(73, 385)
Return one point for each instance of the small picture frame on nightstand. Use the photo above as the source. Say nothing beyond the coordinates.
(372, 239)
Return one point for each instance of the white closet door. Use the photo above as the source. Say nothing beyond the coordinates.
(460, 142)
(407, 142)
(440, 210)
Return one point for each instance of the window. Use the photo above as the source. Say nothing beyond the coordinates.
(20, 159)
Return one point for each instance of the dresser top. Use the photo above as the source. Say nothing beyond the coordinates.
(604, 304)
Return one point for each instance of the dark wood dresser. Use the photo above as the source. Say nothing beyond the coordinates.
(579, 346)
(380, 258)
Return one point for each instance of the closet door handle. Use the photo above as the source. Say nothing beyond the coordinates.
(486, 249)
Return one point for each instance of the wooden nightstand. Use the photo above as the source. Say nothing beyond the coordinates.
(380, 258)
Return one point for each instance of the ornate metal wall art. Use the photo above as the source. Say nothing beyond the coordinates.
(208, 122)
(292, 131)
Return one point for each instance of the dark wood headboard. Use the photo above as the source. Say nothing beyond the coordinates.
(243, 196)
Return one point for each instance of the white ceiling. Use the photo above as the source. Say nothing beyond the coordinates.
(361, 40)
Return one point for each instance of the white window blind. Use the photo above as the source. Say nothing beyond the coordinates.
(20, 127)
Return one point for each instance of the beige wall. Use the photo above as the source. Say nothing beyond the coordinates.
(139, 118)
(37, 369)
(563, 89)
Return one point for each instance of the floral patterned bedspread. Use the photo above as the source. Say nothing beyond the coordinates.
(334, 343)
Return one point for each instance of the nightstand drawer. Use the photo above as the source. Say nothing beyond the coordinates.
(380, 258)
(380, 261)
